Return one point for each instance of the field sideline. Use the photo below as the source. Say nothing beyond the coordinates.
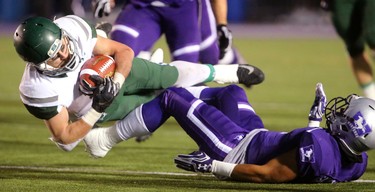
(30, 162)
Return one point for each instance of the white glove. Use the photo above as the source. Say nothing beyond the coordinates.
(318, 107)
(102, 7)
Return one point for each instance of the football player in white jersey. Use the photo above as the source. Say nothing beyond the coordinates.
(56, 50)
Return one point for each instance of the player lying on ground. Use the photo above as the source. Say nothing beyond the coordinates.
(233, 143)
(56, 50)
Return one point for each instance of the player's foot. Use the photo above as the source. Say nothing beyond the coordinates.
(249, 75)
(97, 143)
(140, 139)
(104, 26)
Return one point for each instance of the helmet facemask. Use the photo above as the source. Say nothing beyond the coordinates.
(351, 121)
(69, 65)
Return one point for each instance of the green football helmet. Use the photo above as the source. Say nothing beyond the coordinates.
(38, 39)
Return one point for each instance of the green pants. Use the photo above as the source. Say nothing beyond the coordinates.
(140, 86)
(354, 21)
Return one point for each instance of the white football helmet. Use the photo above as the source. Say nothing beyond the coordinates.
(352, 121)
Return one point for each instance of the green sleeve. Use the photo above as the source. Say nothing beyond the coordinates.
(44, 113)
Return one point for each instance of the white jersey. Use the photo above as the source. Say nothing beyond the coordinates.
(43, 95)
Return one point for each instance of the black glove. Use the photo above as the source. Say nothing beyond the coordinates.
(104, 93)
(224, 38)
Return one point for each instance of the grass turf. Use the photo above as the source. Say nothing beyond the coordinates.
(30, 162)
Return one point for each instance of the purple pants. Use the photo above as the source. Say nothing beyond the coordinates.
(189, 28)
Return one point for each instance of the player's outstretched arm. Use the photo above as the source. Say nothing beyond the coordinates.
(278, 170)
(318, 107)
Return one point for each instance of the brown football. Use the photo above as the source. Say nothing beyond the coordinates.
(102, 65)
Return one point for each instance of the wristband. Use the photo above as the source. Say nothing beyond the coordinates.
(222, 168)
(118, 78)
(91, 117)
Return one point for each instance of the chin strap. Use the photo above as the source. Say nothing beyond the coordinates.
(348, 155)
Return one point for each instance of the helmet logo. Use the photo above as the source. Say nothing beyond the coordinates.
(54, 48)
(359, 125)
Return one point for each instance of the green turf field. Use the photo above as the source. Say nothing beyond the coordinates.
(30, 162)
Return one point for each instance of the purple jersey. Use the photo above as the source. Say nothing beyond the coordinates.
(318, 154)
(189, 27)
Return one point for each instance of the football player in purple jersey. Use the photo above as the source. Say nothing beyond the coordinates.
(233, 143)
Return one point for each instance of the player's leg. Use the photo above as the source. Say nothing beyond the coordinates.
(99, 141)
(141, 121)
(237, 73)
(137, 27)
(348, 22)
(148, 75)
(180, 25)
(369, 35)
(233, 102)
(209, 49)
(214, 132)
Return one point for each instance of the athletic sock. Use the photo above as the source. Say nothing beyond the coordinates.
(226, 73)
(190, 74)
(132, 125)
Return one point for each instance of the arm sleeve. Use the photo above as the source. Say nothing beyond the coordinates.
(44, 113)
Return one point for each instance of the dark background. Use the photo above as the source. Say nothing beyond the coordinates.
(240, 11)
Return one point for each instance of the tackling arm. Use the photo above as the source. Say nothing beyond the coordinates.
(280, 169)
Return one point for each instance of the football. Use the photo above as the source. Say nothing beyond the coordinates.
(102, 65)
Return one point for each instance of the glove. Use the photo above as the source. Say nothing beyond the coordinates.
(104, 93)
(102, 7)
(224, 38)
(318, 108)
(196, 161)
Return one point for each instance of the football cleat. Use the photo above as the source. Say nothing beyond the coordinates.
(96, 143)
(249, 75)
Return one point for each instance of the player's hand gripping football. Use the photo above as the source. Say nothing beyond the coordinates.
(318, 108)
(224, 38)
(196, 161)
(102, 8)
(104, 93)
